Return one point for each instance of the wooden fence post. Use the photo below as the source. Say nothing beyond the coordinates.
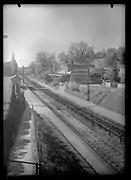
(37, 169)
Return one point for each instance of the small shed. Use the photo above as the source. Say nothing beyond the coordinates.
(79, 73)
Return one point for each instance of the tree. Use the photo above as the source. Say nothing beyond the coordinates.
(40, 63)
(122, 60)
(110, 56)
(121, 54)
(63, 58)
(32, 67)
(108, 75)
(112, 74)
(51, 63)
(112, 61)
(55, 66)
(116, 74)
(46, 62)
(100, 54)
(82, 53)
(41, 57)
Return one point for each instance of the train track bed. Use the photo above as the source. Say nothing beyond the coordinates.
(56, 154)
(107, 123)
(83, 110)
(107, 145)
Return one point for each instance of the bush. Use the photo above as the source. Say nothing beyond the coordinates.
(75, 86)
(114, 84)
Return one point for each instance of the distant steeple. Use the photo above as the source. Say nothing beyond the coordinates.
(13, 57)
(14, 64)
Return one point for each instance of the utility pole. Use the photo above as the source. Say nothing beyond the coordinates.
(101, 73)
(88, 83)
(23, 73)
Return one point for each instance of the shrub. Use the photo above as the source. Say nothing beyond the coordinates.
(75, 86)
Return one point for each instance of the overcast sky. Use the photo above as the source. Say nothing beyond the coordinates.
(52, 28)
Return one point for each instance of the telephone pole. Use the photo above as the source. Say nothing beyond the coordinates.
(23, 73)
(88, 83)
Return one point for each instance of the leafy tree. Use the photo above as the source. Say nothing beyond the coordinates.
(108, 75)
(45, 63)
(112, 61)
(80, 51)
(100, 54)
(32, 67)
(116, 74)
(112, 74)
(63, 60)
(55, 66)
(40, 63)
(41, 57)
(122, 59)
(121, 54)
(51, 63)
(110, 56)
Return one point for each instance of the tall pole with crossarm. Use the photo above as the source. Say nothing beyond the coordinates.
(88, 83)
(89, 65)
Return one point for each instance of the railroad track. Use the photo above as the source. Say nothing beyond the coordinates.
(86, 168)
(105, 123)
(82, 136)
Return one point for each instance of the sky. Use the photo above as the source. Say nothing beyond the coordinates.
(52, 28)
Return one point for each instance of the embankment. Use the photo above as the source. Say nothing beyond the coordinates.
(12, 121)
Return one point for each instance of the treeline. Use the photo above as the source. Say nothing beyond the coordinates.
(79, 52)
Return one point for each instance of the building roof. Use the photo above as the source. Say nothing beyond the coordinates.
(63, 72)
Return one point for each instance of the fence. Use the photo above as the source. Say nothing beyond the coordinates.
(38, 165)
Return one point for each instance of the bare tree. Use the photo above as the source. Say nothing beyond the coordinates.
(82, 53)
(46, 62)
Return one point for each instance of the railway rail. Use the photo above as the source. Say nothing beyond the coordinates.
(86, 167)
(106, 123)
(82, 136)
